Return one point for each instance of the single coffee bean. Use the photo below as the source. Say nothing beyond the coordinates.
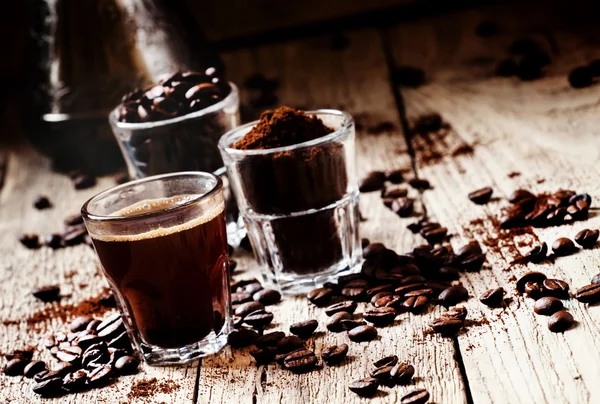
(563, 247)
(33, 368)
(75, 381)
(289, 344)
(69, 354)
(380, 316)
(453, 295)
(403, 207)
(416, 304)
(588, 293)
(373, 181)
(364, 387)
(300, 361)
(120, 342)
(395, 176)
(560, 321)
(379, 291)
(535, 277)
(264, 356)
(492, 297)
(84, 181)
(334, 354)
(80, 323)
(457, 313)
(54, 241)
(420, 184)
(587, 238)
(356, 293)
(538, 253)
(390, 360)
(580, 197)
(252, 288)
(364, 242)
(63, 368)
(581, 77)
(259, 318)
(31, 241)
(246, 308)
(394, 192)
(447, 326)
(402, 373)
(320, 296)
(447, 273)
(50, 293)
(304, 329)
(555, 288)
(547, 306)
(347, 325)
(373, 250)
(472, 263)
(403, 290)
(241, 297)
(428, 123)
(481, 196)
(362, 333)
(420, 292)
(381, 373)
(85, 341)
(595, 279)
(242, 337)
(436, 235)
(100, 375)
(267, 296)
(15, 366)
(269, 339)
(334, 324)
(126, 365)
(534, 290)
(111, 328)
(48, 388)
(418, 396)
(42, 202)
(93, 357)
(388, 301)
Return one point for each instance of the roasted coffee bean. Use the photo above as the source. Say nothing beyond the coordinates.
(33, 368)
(581, 77)
(394, 192)
(15, 366)
(428, 123)
(381, 373)
(246, 308)
(320, 296)
(267, 296)
(100, 375)
(74, 235)
(373, 250)
(232, 265)
(334, 354)
(264, 356)
(563, 246)
(42, 202)
(120, 342)
(364, 387)
(362, 333)
(49, 387)
(372, 292)
(73, 220)
(269, 339)
(538, 253)
(75, 381)
(300, 361)
(555, 288)
(492, 297)
(418, 396)
(19, 354)
(95, 355)
(347, 325)
(237, 286)
(447, 273)
(506, 68)
(63, 368)
(252, 288)
(520, 195)
(436, 235)
(111, 327)
(54, 241)
(93, 325)
(415, 227)
(419, 292)
(69, 354)
(416, 304)
(481, 196)
(588, 293)
(447, 326)
(49, 293)
(126, 365)
(595, 279)
(80, 323)
(408, 76)
(242, 337)
(334, 324)
(386, 361)
(259, 318)
(107, 300)
(587, 238)
(373, 181)
(560, 321)
(534, 290)
(402, 373)
(420, 184)
(31, 241)
(472, 263)
(395, 176)
(403, 207)
(289, 344)
(356, 293)
(380, 316)
(453, 295)
(534, 277)
(580, 197)
(241, 297)
(46, 375)
(547, 305)
(304, 329)
(459, 313)
(364, 242)
(84, 181)
(380, 297)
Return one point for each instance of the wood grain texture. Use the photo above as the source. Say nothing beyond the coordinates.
(543, 130)
(355, 80)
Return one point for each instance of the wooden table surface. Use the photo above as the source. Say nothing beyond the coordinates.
(543, 129)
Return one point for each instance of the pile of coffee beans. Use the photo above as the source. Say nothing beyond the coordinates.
(386, 371)
(92, 353)
(179, 94)
(74, 233)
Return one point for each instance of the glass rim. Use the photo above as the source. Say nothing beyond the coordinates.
(112, 116)
(173, 209)
(348, 121)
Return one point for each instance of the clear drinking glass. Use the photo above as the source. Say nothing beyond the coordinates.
(185, 143)
(299, 204)
(162, 244)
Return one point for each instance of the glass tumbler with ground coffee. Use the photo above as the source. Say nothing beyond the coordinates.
(175, 125)
(162, 244)
(293, 174)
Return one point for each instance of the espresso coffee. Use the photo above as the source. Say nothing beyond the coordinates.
(172, 281)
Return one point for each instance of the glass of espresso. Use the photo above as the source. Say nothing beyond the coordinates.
(162, 244)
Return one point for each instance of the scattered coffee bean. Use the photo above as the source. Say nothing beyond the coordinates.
(289, 344)
(537, 254)
(555, 288)
(588, 293)
(416, 304)
(380, 316)
(33, 368)
(354, 291)
(48, 388)
(534, 290)
(242, 337)
(300, 361)
(48, 293)
(418, 396)
(428, 123)
(347, 325)
(402, 373)
(435, 235)
(304, 329)
(403, 207)
(560, 321)
(31, 241)
(395, 177)
(100, 375)
(334, 324)
(364, 387)
(580, 197)
(269, 339)
(320, 296)
(492, 297)
(108, 300)
(520, 195)
(15, 366)
(453, 295)
(259, 318)
(42, 202)
(581, 77)
(84, 181)
(241, 297)
(111, 327)
(265, 355)
(459, 313)
(420, 184)
(563, 247)
(334, 354)
(534, 277)
(362, 333)
(267, 296)
(381, 373)
(54, 241)
(386, 361)
(80, 323)
(547, 306)
(120, 342)
(246, 308)
(373, 181)
(252, 288)
(587, 238)
(75, 381)
(126, 365)
(447, 326)
(481, 196)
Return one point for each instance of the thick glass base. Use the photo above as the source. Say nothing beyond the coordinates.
(296, 285)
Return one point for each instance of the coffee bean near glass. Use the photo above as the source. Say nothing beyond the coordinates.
(162, 244)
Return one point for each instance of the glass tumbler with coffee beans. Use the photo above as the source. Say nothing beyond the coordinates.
(293, 174)
(175, 125)
(162, 244)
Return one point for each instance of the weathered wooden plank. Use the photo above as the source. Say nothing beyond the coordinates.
(355, 80)
(541, 130)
